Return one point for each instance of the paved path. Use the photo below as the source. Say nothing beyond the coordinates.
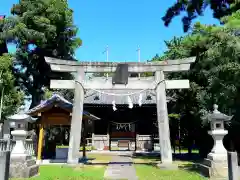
(121, 167)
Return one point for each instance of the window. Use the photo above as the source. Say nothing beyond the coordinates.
(149, 97)
(218, 125)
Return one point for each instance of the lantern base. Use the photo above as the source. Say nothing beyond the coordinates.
(23, 167)
(215, 166)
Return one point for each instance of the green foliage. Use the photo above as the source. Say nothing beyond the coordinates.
(214, 75)
(68, 94)
(47, 94)
(195, 8)
(174, 116)
(40, 28)
(12, 97)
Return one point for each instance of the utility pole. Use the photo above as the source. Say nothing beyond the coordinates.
(139, 58)
(107, 60)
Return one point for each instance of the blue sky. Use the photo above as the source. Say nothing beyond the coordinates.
(123, 26)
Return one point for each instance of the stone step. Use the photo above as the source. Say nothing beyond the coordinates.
(204, 169)
(23, 167)
(30, 162)
(219, 172)
(213, 164)
(207, 162)
(33, 171)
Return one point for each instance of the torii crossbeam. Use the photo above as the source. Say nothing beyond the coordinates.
(158, 83)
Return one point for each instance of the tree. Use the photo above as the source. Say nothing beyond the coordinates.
(40, 28)
(195, 8)
(214, 77)
(66, 93)
(12, 97)
(215, 71)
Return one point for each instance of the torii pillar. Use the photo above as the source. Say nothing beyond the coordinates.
(159, 84)
(76, 122)
(163, 122)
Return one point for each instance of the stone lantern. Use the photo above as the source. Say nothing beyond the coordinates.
(19, 123)
(215, 165)
(218, 132)
(22, 165)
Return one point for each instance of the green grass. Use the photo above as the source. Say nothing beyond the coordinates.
(148, 172)
(145, 159)
(100, 158)
(56, 172)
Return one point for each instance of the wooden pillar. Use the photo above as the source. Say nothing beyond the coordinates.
(93, 133)
(84, 139)
(108, 136)
(163, 122)
(40, 142)
(76, 122)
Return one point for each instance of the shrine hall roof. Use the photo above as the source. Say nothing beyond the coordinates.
(94, 97)
(106, 97)
(59, 101)
(120, 96)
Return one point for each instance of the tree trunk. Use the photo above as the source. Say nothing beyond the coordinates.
(36, 100)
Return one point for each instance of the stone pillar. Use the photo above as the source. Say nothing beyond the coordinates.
(233, 172)
(19, 150)
(1, 130)
(93, 143)
(22, 164)
(76, 122)
(163, 122)
(107, 142)
(4, 164)
(93, 133)
(215, 165)
(137, 142)
(6, 130)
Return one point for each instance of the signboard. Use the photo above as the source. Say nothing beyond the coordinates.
(122, 130)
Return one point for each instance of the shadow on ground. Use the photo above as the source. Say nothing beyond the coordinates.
(195, 157)
(189, 167)
(185, 161)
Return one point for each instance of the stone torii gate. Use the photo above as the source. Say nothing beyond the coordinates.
(159, 84)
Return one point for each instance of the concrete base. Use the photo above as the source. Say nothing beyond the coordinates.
(23, 167)
(214, 166)
(38, 162)
(73, 161)
(168, 166)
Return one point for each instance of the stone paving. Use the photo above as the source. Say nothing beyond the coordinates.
(120, 168)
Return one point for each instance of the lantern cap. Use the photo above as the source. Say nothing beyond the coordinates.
(217, 115)
(21, 116)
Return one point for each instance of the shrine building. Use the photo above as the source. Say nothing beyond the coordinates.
(127, 107)
(124, 128)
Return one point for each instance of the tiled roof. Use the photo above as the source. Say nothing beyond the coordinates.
(56, 99)
(93, 97)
